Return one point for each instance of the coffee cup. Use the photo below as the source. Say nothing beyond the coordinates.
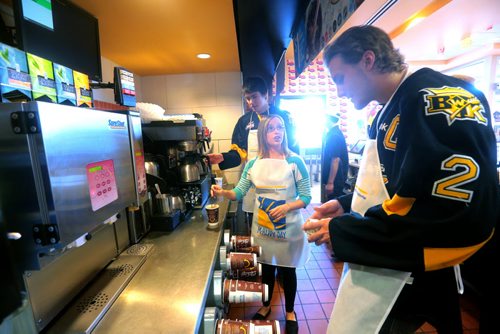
(212, 213)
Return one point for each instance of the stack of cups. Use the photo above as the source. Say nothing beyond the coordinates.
(224, 326)
(237, 291)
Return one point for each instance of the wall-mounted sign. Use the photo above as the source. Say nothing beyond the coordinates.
(321, 21)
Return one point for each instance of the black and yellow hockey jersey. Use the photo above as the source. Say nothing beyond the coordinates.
(438, 159)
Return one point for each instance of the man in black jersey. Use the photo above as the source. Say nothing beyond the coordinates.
(428, 196)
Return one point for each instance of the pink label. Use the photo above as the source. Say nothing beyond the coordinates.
(102, 183)
(140, 168)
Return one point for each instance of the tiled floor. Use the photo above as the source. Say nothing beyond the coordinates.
(316, 291)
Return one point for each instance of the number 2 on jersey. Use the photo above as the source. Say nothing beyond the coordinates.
(450, 187)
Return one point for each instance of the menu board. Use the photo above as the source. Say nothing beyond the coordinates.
(83, 93)
(15, 82)
(124, 87)
(42, 78)
(65, 85)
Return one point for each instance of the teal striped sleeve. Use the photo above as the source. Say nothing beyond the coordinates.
(302, 180)
(244, 183)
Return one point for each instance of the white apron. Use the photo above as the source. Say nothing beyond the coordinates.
(366, 294)
(252, 152)
(283, 242)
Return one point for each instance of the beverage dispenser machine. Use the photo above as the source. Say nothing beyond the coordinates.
(65, 175)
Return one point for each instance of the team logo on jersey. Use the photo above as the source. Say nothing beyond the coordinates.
(456, 103)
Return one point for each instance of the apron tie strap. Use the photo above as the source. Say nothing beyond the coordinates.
(458, 279)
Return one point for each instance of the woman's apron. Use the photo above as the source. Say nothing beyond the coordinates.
(252, 152)
(283, 241)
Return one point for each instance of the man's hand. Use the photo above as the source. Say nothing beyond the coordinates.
(318, 231)
(329, 188)
(215, 158)
(329, 209)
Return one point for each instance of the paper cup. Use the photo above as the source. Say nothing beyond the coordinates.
(218, 181)
(212, 213)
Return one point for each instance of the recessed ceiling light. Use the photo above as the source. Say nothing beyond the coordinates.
(203, 55)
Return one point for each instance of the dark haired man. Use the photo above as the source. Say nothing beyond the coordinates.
(334, 160)
(244, 145)
(426, 197)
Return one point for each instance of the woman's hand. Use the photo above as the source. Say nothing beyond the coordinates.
(216, 190)
(280, 211)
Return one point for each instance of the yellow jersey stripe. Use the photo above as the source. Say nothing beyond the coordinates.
(439, 258)
(241, 152)
(398, 205)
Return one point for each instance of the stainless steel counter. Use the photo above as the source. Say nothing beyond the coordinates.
(168, 293)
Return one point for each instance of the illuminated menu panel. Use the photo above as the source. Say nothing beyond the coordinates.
(127, 81)
(42, 78)
(102, 183)
(83, 93)
(15, 82)
(65, 85)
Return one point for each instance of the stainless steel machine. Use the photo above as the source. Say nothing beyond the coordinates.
(138, 213)
(67, 180)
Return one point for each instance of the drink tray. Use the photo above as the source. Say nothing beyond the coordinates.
(170, 221)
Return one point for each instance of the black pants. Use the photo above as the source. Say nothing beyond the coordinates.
(432, 298)
(289, 283)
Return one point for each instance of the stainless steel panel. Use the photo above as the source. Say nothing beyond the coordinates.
(121, 231)
(44, 175)
(84, 313)
(135, 130)
(170, 291)
(53, 287)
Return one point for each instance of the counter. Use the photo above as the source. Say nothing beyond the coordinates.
(169, 292)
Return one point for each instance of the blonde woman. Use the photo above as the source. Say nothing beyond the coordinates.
(282, 188)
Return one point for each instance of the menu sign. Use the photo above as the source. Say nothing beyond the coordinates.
(83, 93)
(65, 85)
(42, 78)
(15, 82)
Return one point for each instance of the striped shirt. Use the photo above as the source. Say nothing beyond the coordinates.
(300, 174)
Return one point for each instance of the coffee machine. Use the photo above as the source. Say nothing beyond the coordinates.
(179, 176)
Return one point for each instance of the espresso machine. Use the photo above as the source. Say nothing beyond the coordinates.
(177, 169)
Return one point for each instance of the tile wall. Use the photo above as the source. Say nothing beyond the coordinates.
(216, 96)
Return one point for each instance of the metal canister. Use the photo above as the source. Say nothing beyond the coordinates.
(163, 205)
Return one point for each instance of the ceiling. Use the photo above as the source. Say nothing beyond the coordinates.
(156, 37)
(448, 29)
